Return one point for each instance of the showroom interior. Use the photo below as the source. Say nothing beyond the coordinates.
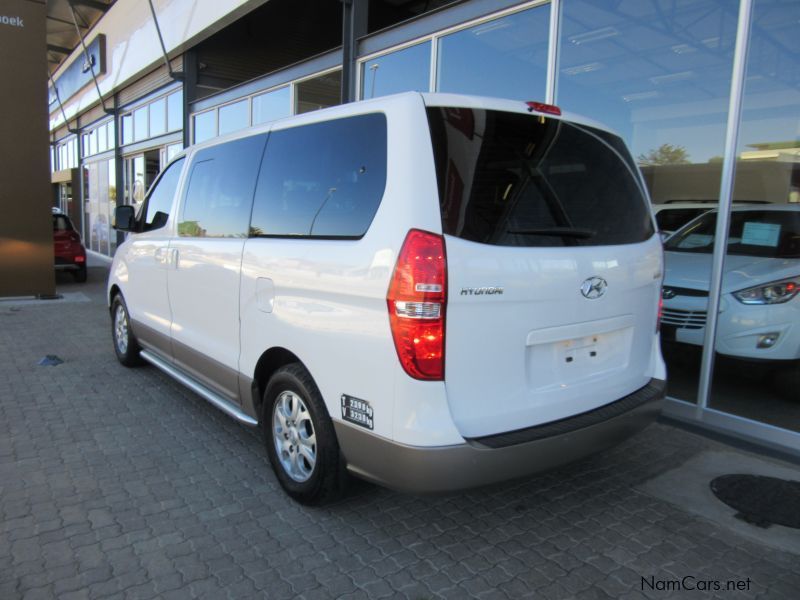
(706, 94)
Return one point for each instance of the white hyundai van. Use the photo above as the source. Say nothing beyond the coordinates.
(428, 291)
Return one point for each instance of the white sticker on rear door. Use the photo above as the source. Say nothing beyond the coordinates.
(761, 234)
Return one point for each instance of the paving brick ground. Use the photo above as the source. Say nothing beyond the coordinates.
(119, 483)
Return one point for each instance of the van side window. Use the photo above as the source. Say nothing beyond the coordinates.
(322, 180)
(159, 201)
(219, 194)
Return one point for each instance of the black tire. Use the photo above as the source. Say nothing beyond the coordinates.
(291, 412)
(126, 346)
(80, 275)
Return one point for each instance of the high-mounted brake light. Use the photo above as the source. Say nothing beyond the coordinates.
(417, 299)
(548, 109)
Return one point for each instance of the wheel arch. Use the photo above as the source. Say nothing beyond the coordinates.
(269, 362)
(112, 293)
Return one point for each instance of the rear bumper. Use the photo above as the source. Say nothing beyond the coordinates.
(417, 469)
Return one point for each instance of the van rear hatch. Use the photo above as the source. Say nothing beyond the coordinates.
(554, 268)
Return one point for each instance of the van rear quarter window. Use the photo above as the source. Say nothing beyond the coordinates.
(219, 194)
(322, 180)
(511, 179)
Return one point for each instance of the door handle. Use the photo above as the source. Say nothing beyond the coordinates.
(174, 257)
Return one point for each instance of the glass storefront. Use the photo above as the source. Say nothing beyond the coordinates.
(399, 71)
(663, 84)
(272, 105)
(320, 92)
(204, 126)
(140, 172)
(505, 57)
(757, 368)
(100, 198)
(233, 117)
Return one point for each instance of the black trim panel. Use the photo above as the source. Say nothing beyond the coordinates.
(654, 389)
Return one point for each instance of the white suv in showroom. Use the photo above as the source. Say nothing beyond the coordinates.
(759, 309)
(428, 291)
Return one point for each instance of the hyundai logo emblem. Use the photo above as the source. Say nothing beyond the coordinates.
(667, 293)
(594, 287)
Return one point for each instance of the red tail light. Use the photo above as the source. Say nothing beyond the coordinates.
(660, 310)
(417, 299)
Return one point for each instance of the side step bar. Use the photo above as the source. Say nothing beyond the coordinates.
(212, 397)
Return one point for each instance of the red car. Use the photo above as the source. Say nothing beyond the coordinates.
(70, 255)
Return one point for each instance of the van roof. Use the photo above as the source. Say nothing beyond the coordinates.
(428, 98)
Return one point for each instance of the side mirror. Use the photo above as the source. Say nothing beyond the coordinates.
(124, 218)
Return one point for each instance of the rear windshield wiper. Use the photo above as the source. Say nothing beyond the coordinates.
(572, 232)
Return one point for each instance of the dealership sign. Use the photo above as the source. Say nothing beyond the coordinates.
(79, 74)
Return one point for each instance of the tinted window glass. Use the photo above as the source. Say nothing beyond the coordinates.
(672, 219)
(322, 180)
(219, 194)
(159, 201)
(765, 233)
(61, 223)
(522, 180)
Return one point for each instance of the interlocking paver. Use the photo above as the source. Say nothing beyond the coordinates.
(120, 483)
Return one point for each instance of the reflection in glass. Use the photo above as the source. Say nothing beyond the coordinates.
(320, 92)
(172, 151)
(138, 184)
(400, 71)
(112, 203)
(757, 367)
(205, 126)
(233, 117)
(219, 191)
(324, 179)
(272, 105)
(158, 117)
(175, 111)
(127, 129)
(102, 139)
(662, 81)
(505, 57)
(140, 124)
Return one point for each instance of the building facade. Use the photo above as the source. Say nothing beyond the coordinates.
(706, 93)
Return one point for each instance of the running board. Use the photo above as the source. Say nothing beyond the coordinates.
(212, 397)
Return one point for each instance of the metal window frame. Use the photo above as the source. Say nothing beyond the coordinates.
(132, 107)
(435, 36)
(702, 413)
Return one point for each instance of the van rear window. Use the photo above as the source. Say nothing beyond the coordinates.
(512, 179)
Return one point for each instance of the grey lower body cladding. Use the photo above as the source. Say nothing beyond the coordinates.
(501, 457)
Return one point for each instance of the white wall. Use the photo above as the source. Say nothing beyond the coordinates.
(132, 47)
